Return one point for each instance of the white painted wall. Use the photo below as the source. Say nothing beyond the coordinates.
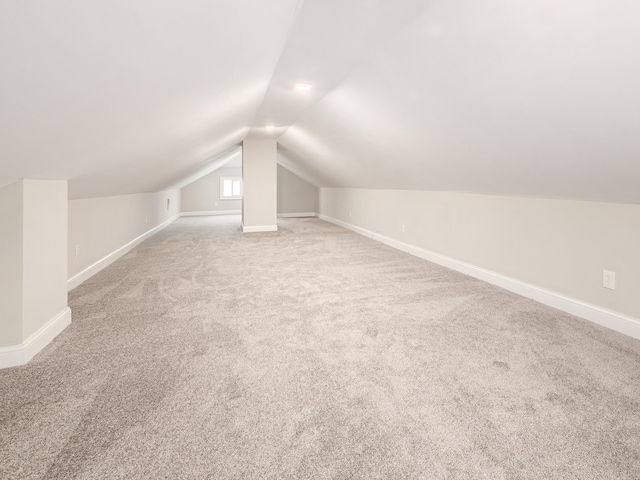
(559, 245)
(260, 183)
(105, 224)
(11, 264)
(33, 273)
(203, 195)
(45, 253)
(294, 194)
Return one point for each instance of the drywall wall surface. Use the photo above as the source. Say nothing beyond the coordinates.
(559, 245)
(11, 205)
(100, 226)
(45, 249)
(260, 183)
(203, 195)
(295, 195)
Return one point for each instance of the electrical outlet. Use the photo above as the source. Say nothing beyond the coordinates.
(350, 215)
(77, 251)
(402, 229)
(146, 219)
(215, 204)
(609, 279)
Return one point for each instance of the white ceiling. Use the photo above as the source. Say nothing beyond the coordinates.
(492, 96)
(125, 96)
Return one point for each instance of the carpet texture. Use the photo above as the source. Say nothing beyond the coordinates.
(313, 352)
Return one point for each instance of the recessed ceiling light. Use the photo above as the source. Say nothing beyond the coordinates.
(303, 87)
(270, 126)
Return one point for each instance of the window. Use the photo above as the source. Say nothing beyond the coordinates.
(230, 188)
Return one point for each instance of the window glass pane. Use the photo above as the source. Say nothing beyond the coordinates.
(236, 188)
(227, 188)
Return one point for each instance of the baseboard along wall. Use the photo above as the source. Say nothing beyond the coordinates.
(238, 212)
(615, 321)
(104, 262)
(607, 318)
(17, 355)
(210, 212)
(259, 228)
(297, 215)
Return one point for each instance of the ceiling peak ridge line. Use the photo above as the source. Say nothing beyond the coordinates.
(298, 9)
(294, 22)
(374, 50)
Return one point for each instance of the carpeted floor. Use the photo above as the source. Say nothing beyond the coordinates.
(315, 353)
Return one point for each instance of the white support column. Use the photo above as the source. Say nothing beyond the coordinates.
(33, 277)
(260, 185)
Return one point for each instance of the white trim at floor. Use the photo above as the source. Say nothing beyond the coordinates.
(297, 215)
(607, 318)
(210, 212)
(238, 212)
(16, 355)
(104, 262)
(259, 228)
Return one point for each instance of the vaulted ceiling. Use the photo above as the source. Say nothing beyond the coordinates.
(536, 97)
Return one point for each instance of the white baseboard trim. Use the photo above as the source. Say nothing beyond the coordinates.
(90, 271)
(297, 215)
(615, 321)
(12, 356)
(260, 228)
(210, 212)
(238, 212)
(46, 334)
(16, 355)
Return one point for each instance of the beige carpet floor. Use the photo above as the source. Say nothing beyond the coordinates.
(315, 353)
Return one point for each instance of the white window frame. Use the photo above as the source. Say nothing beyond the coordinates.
(232, 197)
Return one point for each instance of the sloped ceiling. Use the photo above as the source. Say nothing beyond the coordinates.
(126, 96)
(490, 96)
